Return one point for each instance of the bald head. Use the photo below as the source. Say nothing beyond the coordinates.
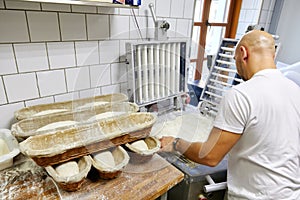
(258, 41)
(254, 52)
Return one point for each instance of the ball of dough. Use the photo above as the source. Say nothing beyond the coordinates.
(3, 147)
(67, 169)
(140, 145)
(106, 159)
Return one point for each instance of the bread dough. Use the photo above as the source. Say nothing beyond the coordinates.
(3, 147)
(140, 145)
(93, 104)
(191, 127)
(56, 125)
(106, 159)
(67, 169)
(104, 115)
(47, 112)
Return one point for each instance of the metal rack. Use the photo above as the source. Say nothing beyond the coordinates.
(222, 76)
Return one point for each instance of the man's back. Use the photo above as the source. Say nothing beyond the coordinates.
(264, 164)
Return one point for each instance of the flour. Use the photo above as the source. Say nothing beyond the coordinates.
(24, 181)
(191, 127)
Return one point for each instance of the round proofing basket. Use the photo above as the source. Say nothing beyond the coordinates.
(72, 183)
(121, 159)
(137, 156)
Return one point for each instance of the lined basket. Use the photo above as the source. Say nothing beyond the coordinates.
(121, 159)
(72, 183)
(138, 156)
(68, 106)
(61, 146)
(30, 127)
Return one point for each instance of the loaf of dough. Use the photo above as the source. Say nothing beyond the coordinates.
(67, 169)
(106, 159)
(140, 145)
(56, 125)
(47, 112)
(3, 147)
(88, 105)
(104, 115)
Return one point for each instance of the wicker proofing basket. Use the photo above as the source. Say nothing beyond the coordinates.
(121, 159)
(30, 127)
(66, 106)
(61, 146)
(138, 156)
(72, 183)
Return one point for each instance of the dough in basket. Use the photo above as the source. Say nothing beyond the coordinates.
(106, 159)
(3, 147)
(47, 112)
(67, 169)
(56, 125)
(93, 104)
(105, 115)
(140, 145)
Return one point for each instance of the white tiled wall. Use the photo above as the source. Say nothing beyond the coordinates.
(43, 26)
(31, 57)
(61, 54)
(56, 52)
(255, 12)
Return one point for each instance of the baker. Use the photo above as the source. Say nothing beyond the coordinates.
(258, 125)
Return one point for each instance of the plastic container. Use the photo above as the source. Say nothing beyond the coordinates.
(7, 159)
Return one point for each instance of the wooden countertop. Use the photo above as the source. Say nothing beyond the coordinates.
(137, 182)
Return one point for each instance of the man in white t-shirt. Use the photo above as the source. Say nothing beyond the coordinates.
(258, 125)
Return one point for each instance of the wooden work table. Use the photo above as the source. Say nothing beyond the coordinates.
(137, 182)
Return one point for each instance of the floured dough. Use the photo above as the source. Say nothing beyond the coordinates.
(3, 147)
(56, 125)
(47, 112)
(67, 169)
(191, 127)
(140, 145)
(93, 104)
(105, 158)
(105, 115)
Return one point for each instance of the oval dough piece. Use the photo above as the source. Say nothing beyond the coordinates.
(140, 145)
(93, 104)
(67, 169)
(106, 159)
(47, 112)
(56, 125)
(3, 147)
(105, 115)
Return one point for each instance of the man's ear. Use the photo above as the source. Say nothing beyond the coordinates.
(244, 53)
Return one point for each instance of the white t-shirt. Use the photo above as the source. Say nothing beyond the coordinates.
(265, 163)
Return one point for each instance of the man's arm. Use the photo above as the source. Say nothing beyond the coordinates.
(208, 153)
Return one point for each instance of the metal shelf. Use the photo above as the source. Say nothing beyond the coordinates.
(84, 3)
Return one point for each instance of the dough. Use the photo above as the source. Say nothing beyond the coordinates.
(3, 147)
(105, 115)
(93, 104)
(105, 158)
(67, 169)
(191, 127)
(47, 112)
(56, 125)
(140, 145)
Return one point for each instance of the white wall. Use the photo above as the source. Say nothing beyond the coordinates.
(288, 30)
(255, 12)
(54, 52)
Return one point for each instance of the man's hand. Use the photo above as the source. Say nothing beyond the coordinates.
(167, 144)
